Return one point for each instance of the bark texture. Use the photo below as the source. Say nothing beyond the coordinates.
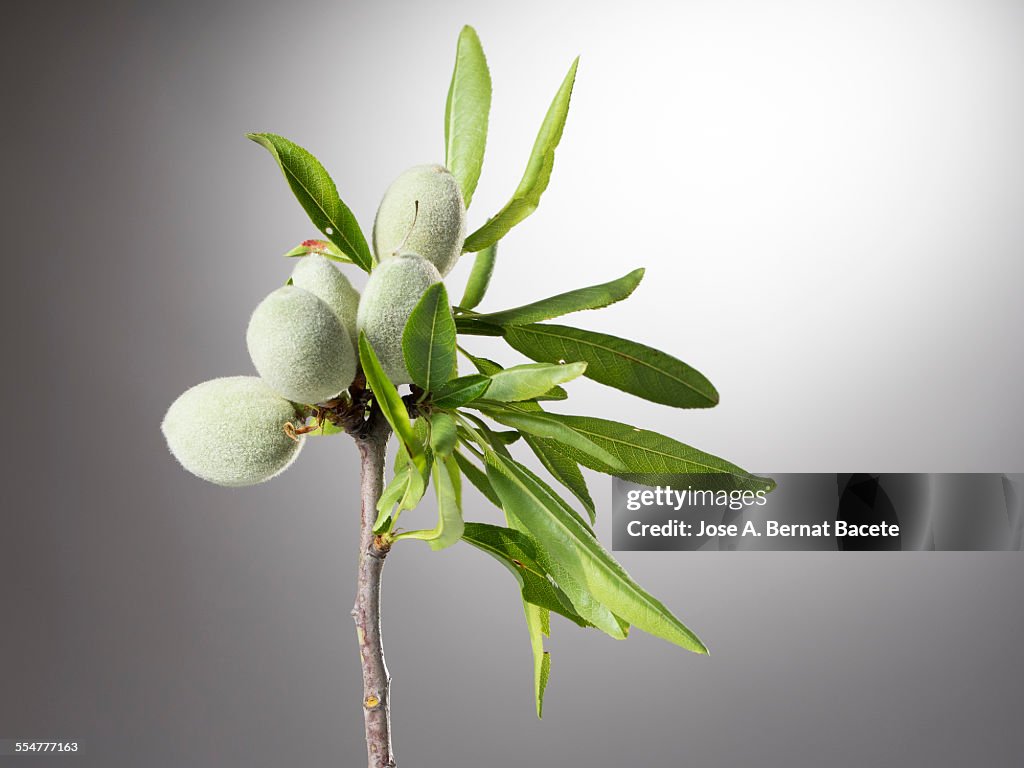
(376, 680)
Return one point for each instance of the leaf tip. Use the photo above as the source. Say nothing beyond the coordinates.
(570, 77)
(694, 644)
(265, 140)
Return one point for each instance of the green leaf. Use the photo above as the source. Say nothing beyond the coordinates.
(521, 555)
(449, 509)
(620, 363)
(507, 437)
(581, 599)
(390, 402)
(477, 478)
(496, 438)
(566, 507)
(493, 441)
(569, 545)
(415, 489)
(466, 113)
(316, 193)
(522, 382)
(460, 391)
(470, 326)
(479, 277)
(428, 341)
(555, 393)
(538, 623)
(564, 470)
(405, 491)
(482, 364)
(392, 494)
(592, 297)
(654, 459)
(517, 552)
(517, 499)
(324, 248)
(535, 180)
(443, 434)
(482, 435)
(550, 426)
(561, 467)
(489, 368)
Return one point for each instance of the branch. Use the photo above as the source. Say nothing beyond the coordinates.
(372, 442)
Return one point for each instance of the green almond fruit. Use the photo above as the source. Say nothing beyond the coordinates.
(422, 212)
(391, 294)
(320, 277)
(299, 346)
(230, 431)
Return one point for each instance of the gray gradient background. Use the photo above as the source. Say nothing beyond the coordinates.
(828, 200)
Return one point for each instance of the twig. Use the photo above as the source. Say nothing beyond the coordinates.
(372, 442)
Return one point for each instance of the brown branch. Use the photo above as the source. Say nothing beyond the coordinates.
(372, 442)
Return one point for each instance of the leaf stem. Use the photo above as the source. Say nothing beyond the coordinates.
(376, 701)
